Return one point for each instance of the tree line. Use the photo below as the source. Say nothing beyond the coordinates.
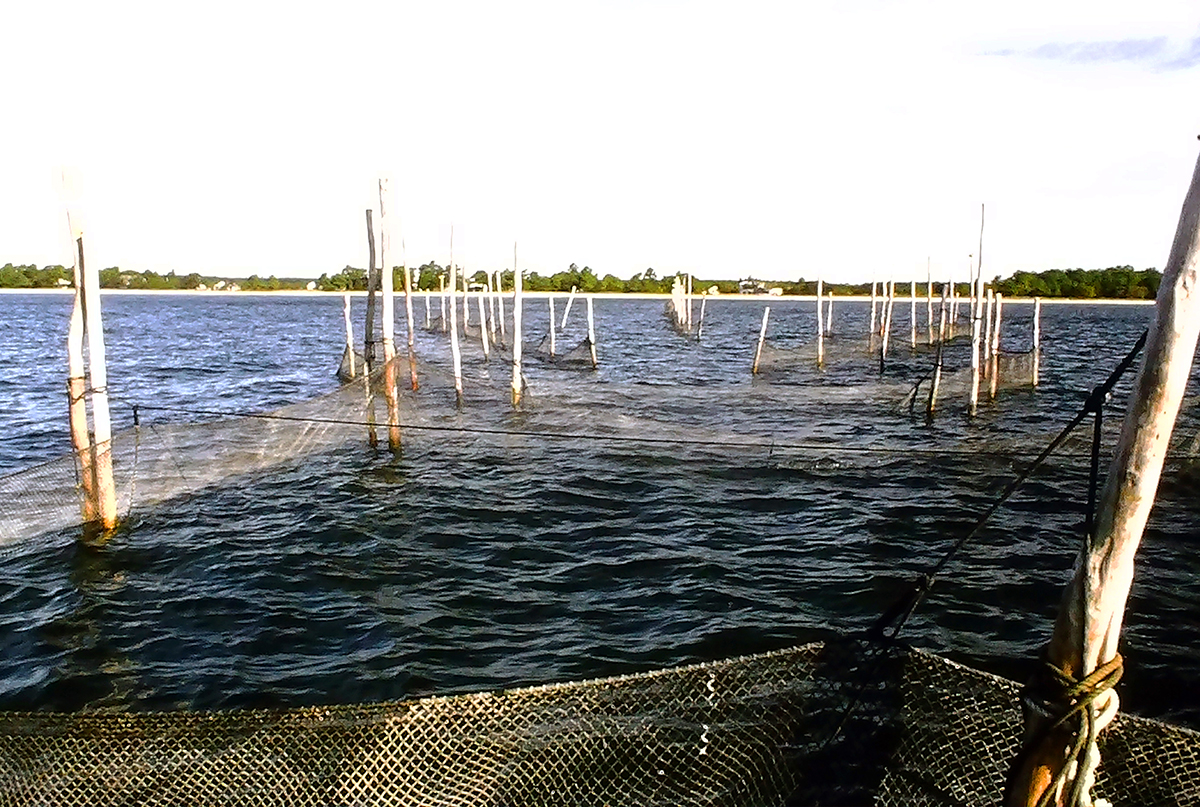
(1116, 282)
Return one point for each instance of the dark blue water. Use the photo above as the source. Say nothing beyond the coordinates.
(760, 512)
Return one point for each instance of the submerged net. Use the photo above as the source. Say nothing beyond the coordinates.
(577, 357)
(756, 730)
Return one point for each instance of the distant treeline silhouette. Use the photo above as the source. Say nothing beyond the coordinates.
(1116, 282)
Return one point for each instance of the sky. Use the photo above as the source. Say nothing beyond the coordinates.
(848, 139)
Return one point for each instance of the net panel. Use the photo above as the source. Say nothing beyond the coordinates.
(748, 731)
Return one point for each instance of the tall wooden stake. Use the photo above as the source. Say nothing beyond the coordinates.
(820, 324)
(483, 328)
(1084, 641)
(389, 318)
(77, 395)
(101, 445)
(442, 298)
(976, 323)
(369, 336)
(455, 355)
(941, 343)
(553, 324)
(487, 276)
(1037, 338)
(567, 310)
(408, 313)
(994, 374)
(874, 304)
(929, 300)
(518, 383)
(349, 335)
(700, 325)
(912, 312)
(500, 300)
(762, 335)
(591, 333)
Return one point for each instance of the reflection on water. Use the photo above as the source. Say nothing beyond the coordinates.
(763, 512)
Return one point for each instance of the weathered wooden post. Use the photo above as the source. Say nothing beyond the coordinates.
(455, 355)
(483, 328)
(389, 318)
(466, 301)
(518, 382)
(762, 335)
(487, 276)
(700, 325)
(929, 299)
(77, 396)
(994, 376)
(912, 313)
(428, 319)
(500, 300)
(553, 324)
(874, 303)
(989, 306)
(829, 317)
(442, 299)
(689, 302)
(1037, 338)
(976, 335)
(889, 303)
(408, 313)
(820, 324)
(1060, 757)
(369, 336)
(567, 310)
(349, 336)
(591, 333)
(941, 344)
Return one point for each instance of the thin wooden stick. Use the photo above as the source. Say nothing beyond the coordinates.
(518, 382)
(941, 344)
(929, 299)
(1089, 621)
(829, 316)
(349, 334)
(762, 335)
(889, 303)
(455, 355)
(820, 324)
(567, 310)
(390, 392)
(487, 276)
(442, 298)
(500, 300)
(102, 462)
(408, 313)
(483, 331)
(77, 400)
(912, 313)
(369, 337)
(989, 307)
(553, 324)
(428, 319)
(700, 325)
(591, 333)
(993, 376)
(874, 302)
(976, 323)
(466, 302)
(1037, 338)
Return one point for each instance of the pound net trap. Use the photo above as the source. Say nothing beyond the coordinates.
(747, 731)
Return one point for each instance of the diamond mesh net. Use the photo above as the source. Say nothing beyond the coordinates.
(747, 731)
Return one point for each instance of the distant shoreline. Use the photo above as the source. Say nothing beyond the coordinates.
(748, 298)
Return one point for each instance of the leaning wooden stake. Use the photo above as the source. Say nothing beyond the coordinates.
(567, 310)
(487, 277)
(77, 397)
(1037, 338)
(518, 383)
(349, 335)
(553, 324)
(941, 344)
(989, 307)
(483, 328)
(762, 335)
(387, 297)
(874, 304)
(412, 334)
(101, 445)
(1084, 642)
(500, 302)
(591, 333)
(889, 303)
(994, 373)
(369, 336)
(700, 324)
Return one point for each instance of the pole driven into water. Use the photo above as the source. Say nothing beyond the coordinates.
(762, 335)
(591, 333)
(553, 324)
(500, 302)
(352, 372)
(1037, 338)
(455, 355)
(388, 298)
(408, 313)
(976, 323)
(518, 383)
(1083, 646)
(369, 335)
(567, 309)
(820, 324)
(941, 344)
(994, 375)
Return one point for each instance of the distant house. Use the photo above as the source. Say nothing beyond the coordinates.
(62, 283)
(311, 285)
(751, 286)
(220, 284)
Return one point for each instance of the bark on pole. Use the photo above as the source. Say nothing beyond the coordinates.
(1089, 621)
(762, 335)
(77, 402)
(102, 462)
(389, 318)
(518, 384)
(349, 335)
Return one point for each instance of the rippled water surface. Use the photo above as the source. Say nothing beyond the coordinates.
(279, 563)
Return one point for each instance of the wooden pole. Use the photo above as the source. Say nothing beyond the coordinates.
(483, 331)
(829, 317)
(591, 333)
(989, 306)
(391, 394)
(102, 462)
(820, 324)
(455, 355)
(428, 319)
(889, 303)
(77, 398)
(553, 324)
(874, 304)
(518, 382)
(941, 344)
(1037, 338)
(976, 323)
(442, 298)
(487, 276)
(567, 310)
(929, 299)
(408, 313)
(762, 335)
(993, 376)
(500, 299)
(466, 302)
(912, 313)
(689, 301)
(369, 336)
(700, 325)
(953, 318)
(1085, 636)
(349, 334)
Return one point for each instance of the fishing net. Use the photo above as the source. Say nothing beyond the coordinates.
(578, 357)
(755, 730)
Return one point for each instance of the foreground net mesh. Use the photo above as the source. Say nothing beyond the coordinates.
(748, 731)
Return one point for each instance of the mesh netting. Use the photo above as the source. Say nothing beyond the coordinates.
(577, 357)
(748, 731)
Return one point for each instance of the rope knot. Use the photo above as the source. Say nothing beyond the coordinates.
(1054, 695)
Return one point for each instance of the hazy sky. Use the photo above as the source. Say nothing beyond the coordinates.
(730, 139)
